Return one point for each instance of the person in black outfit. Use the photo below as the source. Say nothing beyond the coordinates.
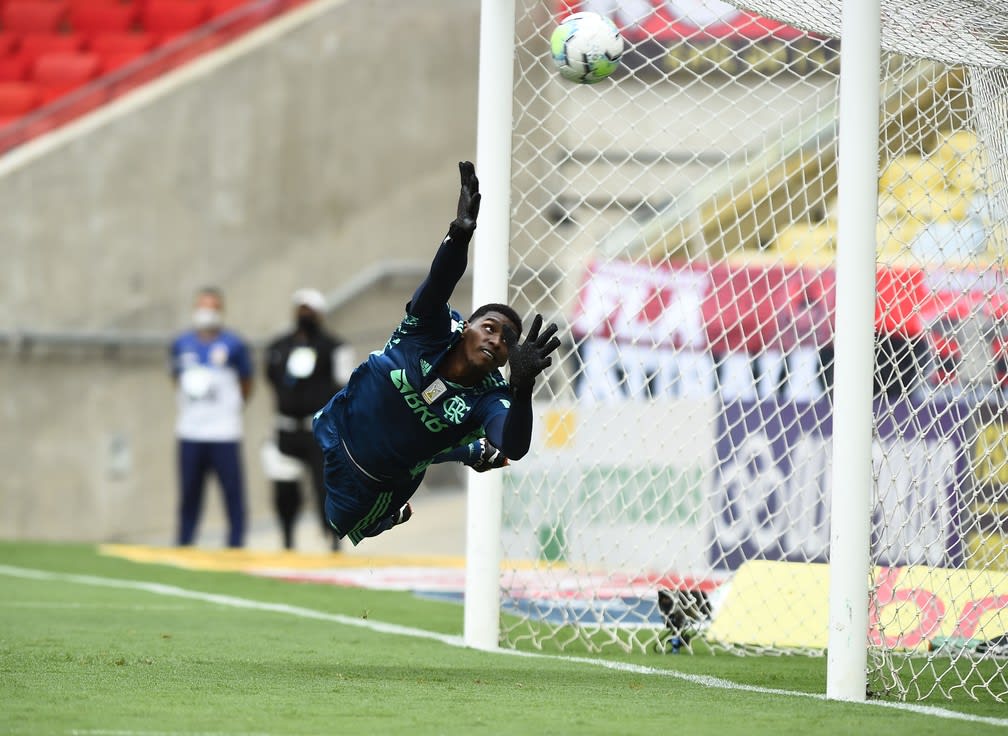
(305, 367)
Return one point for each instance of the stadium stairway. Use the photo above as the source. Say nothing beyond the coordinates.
(60, 59)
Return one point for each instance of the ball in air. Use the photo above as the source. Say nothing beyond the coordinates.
(586, 47)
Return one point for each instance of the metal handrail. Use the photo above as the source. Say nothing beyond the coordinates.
(23, 340)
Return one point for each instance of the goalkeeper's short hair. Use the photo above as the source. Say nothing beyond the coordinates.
(504, 309)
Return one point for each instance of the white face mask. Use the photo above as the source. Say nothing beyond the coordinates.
(204, 318)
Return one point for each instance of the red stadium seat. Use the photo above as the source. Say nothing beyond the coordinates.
(58, 67)
(34, 45)
(14, 68)
(33, 16)
(58, 72)
(173, 17)
(112, 60)
(105, 43)
(8, 43)
(103, 18)
(77, 4)
(119, 49)
(18, 98)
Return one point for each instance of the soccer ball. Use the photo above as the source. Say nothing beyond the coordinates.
(586, 47)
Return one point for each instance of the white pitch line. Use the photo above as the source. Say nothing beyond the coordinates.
(457, 641)
(227, 600)
(50, 605)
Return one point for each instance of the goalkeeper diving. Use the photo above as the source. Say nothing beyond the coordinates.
(435, 393)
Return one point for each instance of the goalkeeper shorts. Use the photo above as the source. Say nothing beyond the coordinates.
(357, 506)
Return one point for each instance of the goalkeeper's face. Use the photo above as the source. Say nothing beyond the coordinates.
(483, 341)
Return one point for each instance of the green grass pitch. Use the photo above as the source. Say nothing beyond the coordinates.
(94, 645)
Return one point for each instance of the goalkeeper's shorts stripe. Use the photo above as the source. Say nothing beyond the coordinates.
(378, 511)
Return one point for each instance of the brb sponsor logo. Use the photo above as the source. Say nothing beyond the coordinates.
(414, 401)
(909, 608)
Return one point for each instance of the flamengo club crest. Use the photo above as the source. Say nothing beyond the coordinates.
(455, 409)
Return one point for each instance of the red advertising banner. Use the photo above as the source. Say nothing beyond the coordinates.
(730, 307)
(752, 308)
(670, 21)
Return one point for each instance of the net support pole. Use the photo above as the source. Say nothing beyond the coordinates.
(850, 529)
(481, 628)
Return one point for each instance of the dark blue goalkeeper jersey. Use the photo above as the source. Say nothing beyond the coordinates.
(396, 413)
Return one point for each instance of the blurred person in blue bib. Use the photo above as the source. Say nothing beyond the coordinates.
(435, 393)
(212, 370)
(305, 367)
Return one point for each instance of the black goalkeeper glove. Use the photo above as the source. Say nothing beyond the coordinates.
(489, 457)
(532, 357)
(468, 203)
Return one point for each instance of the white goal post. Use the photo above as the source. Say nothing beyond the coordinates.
(490, 285)
(857, 210)
(779, 419)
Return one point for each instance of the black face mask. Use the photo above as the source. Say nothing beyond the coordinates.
(307, 324)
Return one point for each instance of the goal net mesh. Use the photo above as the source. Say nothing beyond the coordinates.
(679, 222)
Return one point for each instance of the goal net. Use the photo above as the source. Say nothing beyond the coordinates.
(679, 221)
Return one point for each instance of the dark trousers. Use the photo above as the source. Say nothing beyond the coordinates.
(195, 461)
(287, 495)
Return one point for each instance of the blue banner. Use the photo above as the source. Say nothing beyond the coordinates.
(773, 483)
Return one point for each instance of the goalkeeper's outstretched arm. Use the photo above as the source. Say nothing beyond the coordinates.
(452, 257)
